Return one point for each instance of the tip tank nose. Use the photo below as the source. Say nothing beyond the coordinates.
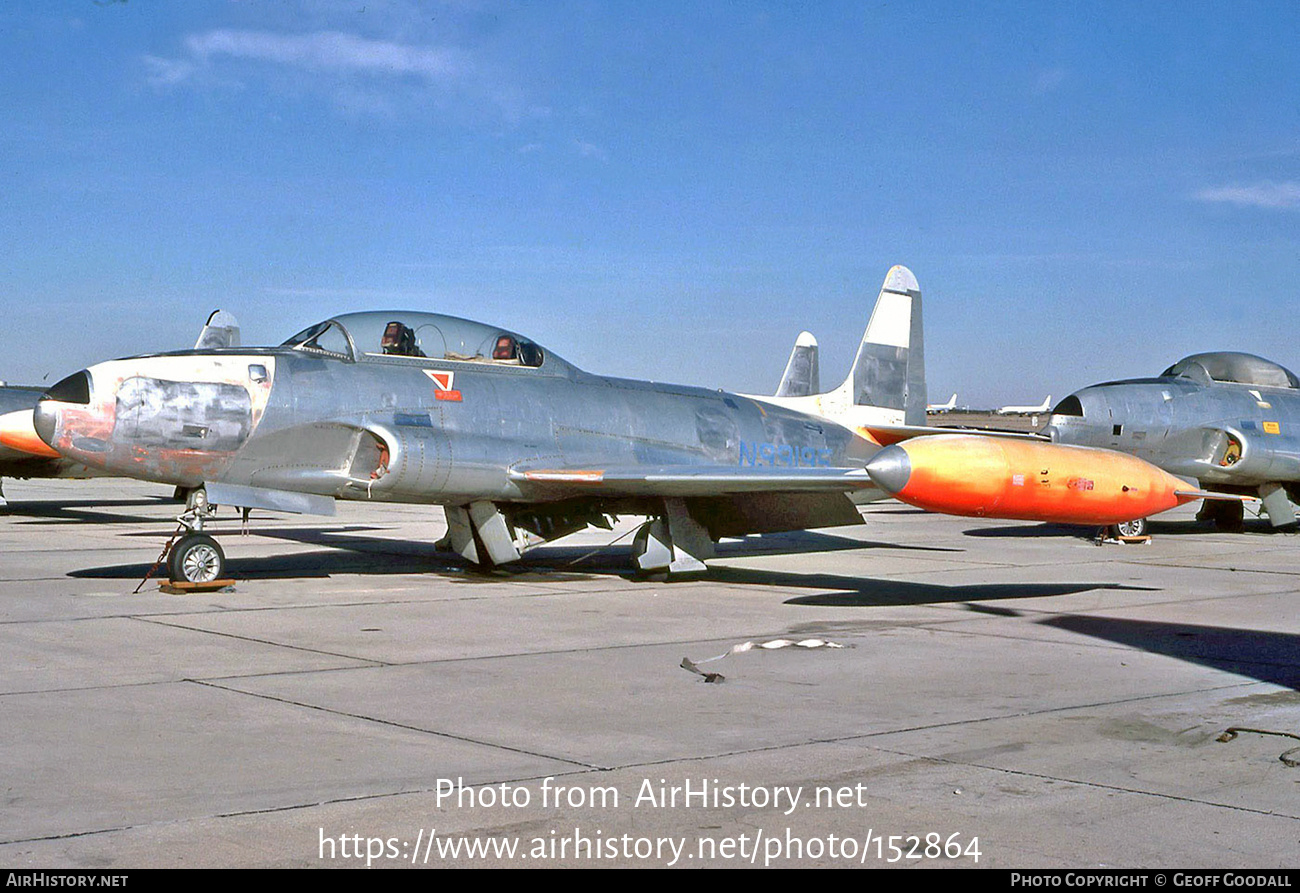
(890, 469)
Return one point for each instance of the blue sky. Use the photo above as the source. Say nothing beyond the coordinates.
(667, 190)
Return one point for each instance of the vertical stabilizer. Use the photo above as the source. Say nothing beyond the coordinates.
(802, 376)
(886, 384)
(889, 370)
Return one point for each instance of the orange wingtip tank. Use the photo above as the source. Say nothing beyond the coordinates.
(1024, 480)
(18, 433)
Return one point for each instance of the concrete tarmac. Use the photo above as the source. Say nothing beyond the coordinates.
(1006, 695)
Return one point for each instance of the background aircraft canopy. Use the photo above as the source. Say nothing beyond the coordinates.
(1234, 368)
(409, 333)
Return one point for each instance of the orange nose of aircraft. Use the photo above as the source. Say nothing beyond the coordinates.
(1024, 480)
(18, 432)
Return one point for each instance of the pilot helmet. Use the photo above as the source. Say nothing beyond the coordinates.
(398, 339)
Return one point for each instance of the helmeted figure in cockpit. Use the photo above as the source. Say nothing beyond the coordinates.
(399, 341)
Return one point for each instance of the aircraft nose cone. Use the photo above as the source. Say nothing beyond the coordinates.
(45, 418)
(890, 469)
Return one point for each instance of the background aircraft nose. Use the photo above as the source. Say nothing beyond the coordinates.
(73, 389)
(890, 468)
(1080, 417)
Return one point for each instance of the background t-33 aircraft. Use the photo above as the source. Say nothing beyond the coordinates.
(1229, 420)
(416, 407)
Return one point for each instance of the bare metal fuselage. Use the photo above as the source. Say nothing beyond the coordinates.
(1228, 420)
(1223, 434)
(419, 430)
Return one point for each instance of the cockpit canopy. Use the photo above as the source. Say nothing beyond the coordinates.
(405, 333)
(1233, 368)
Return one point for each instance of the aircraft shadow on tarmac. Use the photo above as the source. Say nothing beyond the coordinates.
(352, 551)
(99, 511)
(1264, 655)
(348, 553)
(867, 592)
(799, 541)
(1156, 529)
(1034, 531)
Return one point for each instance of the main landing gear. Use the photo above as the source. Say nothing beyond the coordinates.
(1228, 516)
(1137, 527)
(674, 544)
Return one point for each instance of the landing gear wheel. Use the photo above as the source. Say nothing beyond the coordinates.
(1230, 517)
(196, 558)
(1227, 515)
(1129, 528)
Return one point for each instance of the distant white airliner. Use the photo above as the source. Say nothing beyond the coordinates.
(1026, 410)
(943, 407)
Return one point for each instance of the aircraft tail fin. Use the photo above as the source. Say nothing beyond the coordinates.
(802, 376)
(889, 371)
(221, 330)
(886, 385)
(944, 407)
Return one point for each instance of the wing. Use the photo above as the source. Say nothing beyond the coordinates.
(726, 501)
(692, 481)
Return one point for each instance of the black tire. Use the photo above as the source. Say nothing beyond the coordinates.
(1230, 517)
(196, 558)
(1137, 527)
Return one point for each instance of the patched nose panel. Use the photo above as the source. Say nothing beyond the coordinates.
(183, 415)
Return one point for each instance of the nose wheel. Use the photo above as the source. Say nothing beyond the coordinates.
(196, 558)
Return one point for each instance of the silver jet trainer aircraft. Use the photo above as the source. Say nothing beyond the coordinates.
(1231, 421)
(407, 406)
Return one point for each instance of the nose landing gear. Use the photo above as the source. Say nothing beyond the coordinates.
(194, 558)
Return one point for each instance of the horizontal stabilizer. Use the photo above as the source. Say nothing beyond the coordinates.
(887, 434)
